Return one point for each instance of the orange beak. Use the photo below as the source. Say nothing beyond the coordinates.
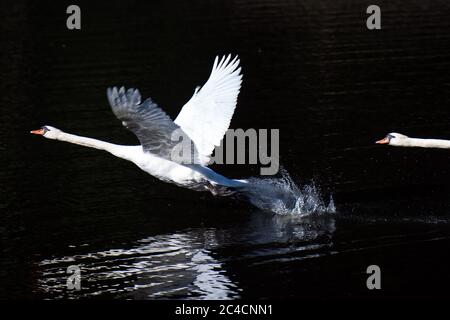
(383, 141)
(38, 131)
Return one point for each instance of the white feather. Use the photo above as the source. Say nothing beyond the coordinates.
(207, 115)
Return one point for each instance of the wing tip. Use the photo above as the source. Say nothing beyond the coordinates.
(225, 61)
(227, 70)
(121, 96)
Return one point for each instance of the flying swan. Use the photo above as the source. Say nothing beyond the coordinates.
(204, 119)
(400, 140)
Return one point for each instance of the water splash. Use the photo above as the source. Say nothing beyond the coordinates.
(283, 196)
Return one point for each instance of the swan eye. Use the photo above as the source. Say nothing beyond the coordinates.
(390, 136)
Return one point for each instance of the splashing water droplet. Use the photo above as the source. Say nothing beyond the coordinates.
(282, 196)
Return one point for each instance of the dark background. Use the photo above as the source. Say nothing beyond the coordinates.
(311, 69)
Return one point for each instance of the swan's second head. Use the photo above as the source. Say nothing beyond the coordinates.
(393, 139)
(47, 132)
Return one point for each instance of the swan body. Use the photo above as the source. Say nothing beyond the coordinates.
(203, 121)
(400, 140)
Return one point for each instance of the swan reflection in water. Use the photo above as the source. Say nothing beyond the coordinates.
(189, 264)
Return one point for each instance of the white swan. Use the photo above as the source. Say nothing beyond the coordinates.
(400, 140)
(204, 119)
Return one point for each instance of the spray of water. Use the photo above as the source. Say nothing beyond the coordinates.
(282, 196)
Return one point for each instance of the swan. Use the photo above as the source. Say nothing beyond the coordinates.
(204, 119)
(400, 140)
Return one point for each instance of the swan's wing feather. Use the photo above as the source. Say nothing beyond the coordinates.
(151, 125)
(207, 115)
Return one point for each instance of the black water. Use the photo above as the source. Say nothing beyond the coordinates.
(311, 69)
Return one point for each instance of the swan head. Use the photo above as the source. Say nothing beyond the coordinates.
(393, 139)
(47, 132)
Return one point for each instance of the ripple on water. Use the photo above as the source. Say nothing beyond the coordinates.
(167, 266)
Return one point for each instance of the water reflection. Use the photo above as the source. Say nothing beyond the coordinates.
(288, 228)
(192, 264)
(283, 238)
(164, 266)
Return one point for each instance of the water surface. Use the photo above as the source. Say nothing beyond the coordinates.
(311, 69)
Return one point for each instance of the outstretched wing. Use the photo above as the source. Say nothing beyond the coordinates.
(207, 115)
(157, 133)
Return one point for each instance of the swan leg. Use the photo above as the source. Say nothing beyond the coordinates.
(211, 188)
(218, 190)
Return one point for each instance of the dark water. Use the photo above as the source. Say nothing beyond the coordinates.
(311, 69)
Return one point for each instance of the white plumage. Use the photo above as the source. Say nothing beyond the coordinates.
(204, 119)
(206, 116)
(400, 140)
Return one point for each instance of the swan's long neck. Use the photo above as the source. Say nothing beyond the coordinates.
(426, 143)
(114, 149)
